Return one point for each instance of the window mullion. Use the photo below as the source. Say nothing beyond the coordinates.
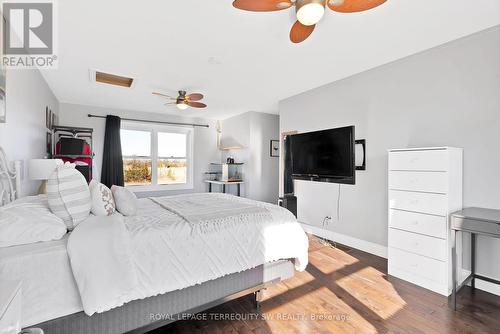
(154, 157)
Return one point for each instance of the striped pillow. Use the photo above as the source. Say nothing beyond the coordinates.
(68, 195)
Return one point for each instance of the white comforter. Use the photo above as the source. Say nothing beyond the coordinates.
(176, 242)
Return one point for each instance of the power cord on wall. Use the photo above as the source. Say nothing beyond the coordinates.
(338, 205)
(324, 241)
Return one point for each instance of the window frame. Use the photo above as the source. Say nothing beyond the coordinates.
(153, 129)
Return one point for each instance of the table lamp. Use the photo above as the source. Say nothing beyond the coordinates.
(41, 169)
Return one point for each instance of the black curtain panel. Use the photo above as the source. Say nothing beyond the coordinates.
(112, 163)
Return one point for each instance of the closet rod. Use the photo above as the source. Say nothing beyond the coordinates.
(156, 122)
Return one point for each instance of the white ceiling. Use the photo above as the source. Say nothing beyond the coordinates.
(241, 61)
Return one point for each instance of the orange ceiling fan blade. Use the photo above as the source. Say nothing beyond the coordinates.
(194, 97)
(352, 6)
(300, 32)
(196, 104)
(262, 5)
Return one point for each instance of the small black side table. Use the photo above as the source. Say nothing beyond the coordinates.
(224, 184)
(474, 221)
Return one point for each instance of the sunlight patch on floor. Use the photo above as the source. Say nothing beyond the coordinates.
(331, 260)
(367, 285)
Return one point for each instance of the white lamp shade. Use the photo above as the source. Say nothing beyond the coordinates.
(41, 169)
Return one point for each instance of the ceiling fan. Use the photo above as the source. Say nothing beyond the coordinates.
(184, 101)
(309, 12)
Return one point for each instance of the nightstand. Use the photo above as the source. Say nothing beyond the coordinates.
(10, 307)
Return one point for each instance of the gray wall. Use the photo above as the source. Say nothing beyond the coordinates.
(254, 131)
(446, 96)
(205, 140)
(23, 135)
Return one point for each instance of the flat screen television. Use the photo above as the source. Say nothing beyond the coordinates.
(324, 156)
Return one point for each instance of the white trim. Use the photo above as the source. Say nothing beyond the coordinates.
(365, 246)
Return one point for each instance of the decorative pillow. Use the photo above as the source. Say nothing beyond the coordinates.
(103, 203)
(68, 195)
(27, 221)
(126, 201)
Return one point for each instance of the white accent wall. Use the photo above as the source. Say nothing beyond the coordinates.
(23, 135)
(446, 96)
(254, 131)
(205, 139)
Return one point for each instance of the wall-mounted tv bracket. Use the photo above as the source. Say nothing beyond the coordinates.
(362, 142)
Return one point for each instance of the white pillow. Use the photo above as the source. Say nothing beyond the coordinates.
(126, 201)
(103, 203)
(29, 220)
(69, 195)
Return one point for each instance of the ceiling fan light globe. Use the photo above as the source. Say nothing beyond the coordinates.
(310, 13)
(182, 106)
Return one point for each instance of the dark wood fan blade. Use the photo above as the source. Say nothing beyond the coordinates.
(262, 5)
(194, 97)
(300, 32)
(196, 104)
(352, 6)
(163, 95)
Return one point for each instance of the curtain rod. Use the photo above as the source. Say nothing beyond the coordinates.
(157, 122)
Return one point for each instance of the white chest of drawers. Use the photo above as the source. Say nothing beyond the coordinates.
(425, 186)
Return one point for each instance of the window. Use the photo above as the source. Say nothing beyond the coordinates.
(156, 157)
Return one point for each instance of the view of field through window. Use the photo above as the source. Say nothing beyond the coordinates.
(139, 160)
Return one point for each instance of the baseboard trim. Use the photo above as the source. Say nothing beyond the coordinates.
(363, 245)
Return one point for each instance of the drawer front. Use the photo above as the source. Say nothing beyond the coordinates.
(435, 204)
(434, 226)
(417, 265)
(430, 160)
(417, 243)
(435, 182)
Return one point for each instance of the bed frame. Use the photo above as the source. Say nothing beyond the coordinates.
(10, 179)
(141, 316)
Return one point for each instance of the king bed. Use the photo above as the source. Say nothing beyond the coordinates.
(177, 255)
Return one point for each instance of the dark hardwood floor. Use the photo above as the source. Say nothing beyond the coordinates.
(347, 291)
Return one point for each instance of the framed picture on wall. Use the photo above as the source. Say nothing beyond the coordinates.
(274, 148)
(47, 117)
(49, 143)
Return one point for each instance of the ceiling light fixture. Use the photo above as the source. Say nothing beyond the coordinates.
(182, 105)
(310, 12)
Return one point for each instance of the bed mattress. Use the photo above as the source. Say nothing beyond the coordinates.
(48, 288)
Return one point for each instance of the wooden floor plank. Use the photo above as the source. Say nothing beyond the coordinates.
(345, 290)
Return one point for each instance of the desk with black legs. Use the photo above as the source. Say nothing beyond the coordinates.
(224, 184)
(474, 221)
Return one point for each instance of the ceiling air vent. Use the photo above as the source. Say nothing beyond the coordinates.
(111, 79)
